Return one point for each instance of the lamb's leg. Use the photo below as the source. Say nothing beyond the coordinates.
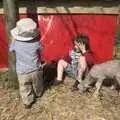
(98, 86)
(118, 80)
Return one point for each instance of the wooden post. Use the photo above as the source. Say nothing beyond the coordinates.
(11, 16)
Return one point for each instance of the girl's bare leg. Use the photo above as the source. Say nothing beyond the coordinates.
(60, 69)
(81, 68)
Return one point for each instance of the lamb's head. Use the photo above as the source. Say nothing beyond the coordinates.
(82, 87)
(85, 84)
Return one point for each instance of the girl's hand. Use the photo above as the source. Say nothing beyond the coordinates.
(82, 47)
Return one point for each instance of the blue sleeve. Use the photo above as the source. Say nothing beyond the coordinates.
(12, 46)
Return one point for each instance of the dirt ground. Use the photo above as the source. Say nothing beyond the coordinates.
(60, 103)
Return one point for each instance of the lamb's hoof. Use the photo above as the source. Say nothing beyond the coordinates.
(96, 95)
(81, 89)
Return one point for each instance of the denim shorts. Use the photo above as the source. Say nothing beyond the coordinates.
(71, 70)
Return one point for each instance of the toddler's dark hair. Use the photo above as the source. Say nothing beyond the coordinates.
(81, 38)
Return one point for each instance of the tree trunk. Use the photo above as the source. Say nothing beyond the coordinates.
(11, 16)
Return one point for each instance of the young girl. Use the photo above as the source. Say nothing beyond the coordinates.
(80, 56)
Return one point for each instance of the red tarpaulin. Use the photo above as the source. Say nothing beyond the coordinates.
(3, 45)
(58, 32)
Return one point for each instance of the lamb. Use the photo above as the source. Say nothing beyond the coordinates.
(99, 73)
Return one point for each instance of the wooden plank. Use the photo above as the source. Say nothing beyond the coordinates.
(73, 6)
(42, 7)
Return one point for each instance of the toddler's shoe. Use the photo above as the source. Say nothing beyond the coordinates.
(75, 86)
(27, 106)
(57, 82)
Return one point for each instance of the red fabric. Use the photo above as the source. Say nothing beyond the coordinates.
(58, 32)
(3, 45)
(55, 36)
(89, 58)
(63, 29)
(101, 30)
